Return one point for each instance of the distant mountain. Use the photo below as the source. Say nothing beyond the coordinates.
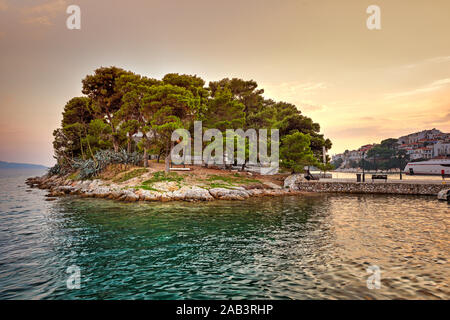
(13, 165)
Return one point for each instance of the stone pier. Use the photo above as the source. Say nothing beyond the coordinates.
(404, 187)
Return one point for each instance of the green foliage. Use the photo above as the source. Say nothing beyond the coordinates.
(147, 187)
(213, 185)
(131, 174)
(59, 169)
(55, 170)
(73, 176)
(290, 120)
(120, 105)
(224, 112)
(296, 153)
(102, 88)
(235, 179)
(337, 163)
(381, 152)
(68, 140)
(161, 176)
(385, 156)
(325, 166)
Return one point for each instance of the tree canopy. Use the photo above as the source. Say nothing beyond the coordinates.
(124, 110)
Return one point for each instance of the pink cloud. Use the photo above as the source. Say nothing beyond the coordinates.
(43, 14)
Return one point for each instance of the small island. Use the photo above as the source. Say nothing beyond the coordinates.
(115, 141)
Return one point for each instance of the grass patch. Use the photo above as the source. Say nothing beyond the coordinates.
(73, 176)
(161, 176)
(146, 187)
(218, 185)
(235, 178)
(130, 175)
(215, 177)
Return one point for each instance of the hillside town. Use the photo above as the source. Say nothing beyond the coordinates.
(423, 145)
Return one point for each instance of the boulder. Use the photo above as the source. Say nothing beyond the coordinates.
(197, 194)
(252, 186)
(444, 194)
(101, 192)
(166, 186)
(115, 195)
(229, 194)
(256, 192)
(148, 195)
(291, 181)
(130, 196)
(271, 185)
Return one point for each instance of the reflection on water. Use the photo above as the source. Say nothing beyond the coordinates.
(303, 247)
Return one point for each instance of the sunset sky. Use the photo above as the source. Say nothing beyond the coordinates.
(362, 86)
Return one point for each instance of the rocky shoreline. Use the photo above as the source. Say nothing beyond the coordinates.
(61, 186)
(168, 191)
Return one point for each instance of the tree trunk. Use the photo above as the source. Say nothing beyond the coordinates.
(82, 151)
(167, 163)
(129, 145)
(115, 145)
(114, 138)
(167, 160)
(145, 158)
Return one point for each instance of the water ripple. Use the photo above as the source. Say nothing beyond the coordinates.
(303, 247)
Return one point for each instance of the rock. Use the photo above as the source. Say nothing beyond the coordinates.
(115, 195)
(291, 181)
(101, 192)
(275, 192)
(65, 189)
(55, 193)
(84, 184)
(444, 194)
(186, 193)
(256, 192)
(229, 194)
(128, 195)
(198, 194)
(253, 186)
(176, 195)
(148, 195)
(271, 185)
(94, 184)
(166, 186)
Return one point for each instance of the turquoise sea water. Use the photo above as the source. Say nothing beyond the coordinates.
(299, 247)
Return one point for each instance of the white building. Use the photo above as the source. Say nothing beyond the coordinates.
(421, 153)
(415, 137)
(441, 149)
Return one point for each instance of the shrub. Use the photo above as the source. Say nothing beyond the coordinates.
(92, 167)
(59, 170)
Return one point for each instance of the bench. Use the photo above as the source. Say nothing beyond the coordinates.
(309, 176)
(379, 177)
